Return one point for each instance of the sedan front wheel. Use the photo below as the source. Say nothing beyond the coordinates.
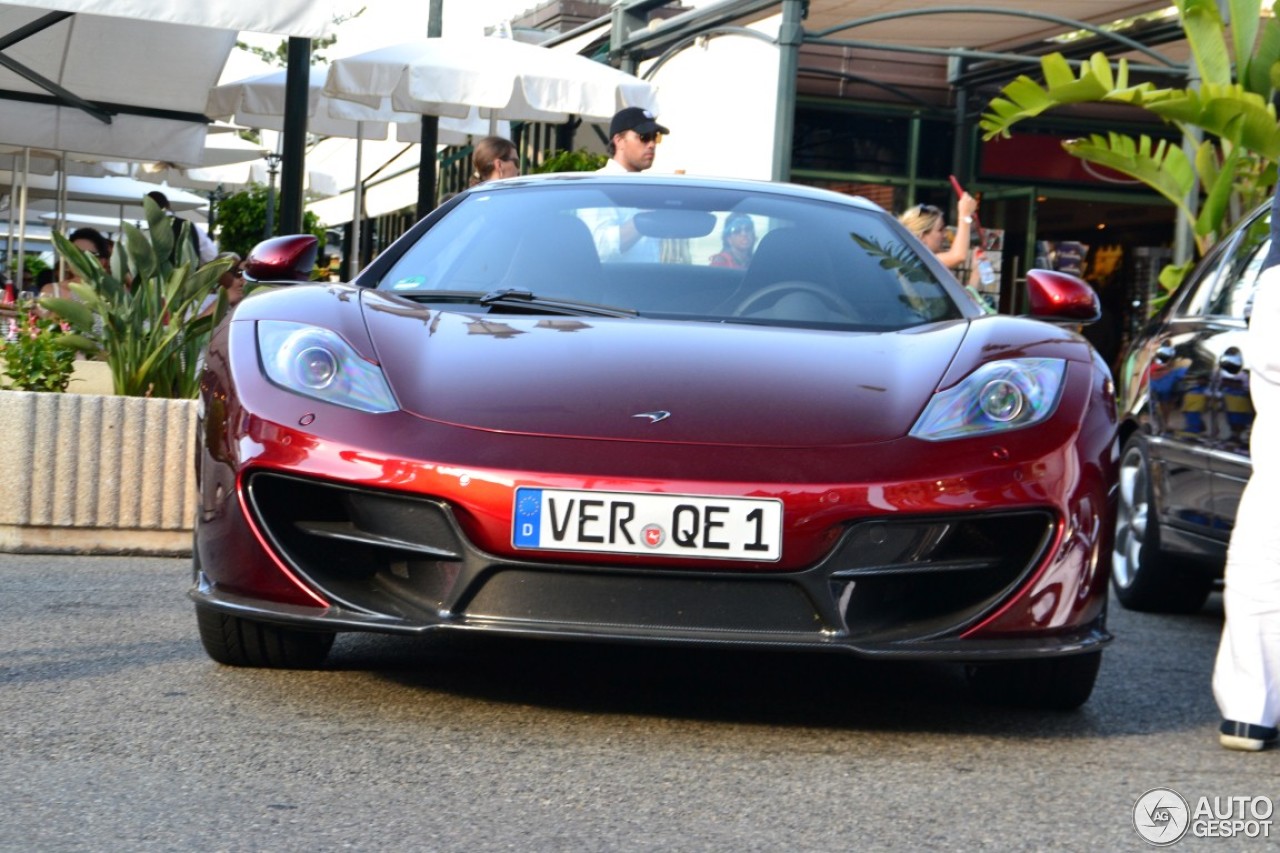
(1144, 577)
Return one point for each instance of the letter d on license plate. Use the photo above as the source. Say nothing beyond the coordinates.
(644, 523)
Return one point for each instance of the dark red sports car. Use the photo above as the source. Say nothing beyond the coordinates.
(547, 412)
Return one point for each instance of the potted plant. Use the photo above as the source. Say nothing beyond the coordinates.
(144, 314)
(113, 473)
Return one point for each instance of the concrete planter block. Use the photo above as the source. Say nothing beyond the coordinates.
(96, 474)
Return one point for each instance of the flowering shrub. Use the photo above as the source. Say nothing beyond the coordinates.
(35, 359)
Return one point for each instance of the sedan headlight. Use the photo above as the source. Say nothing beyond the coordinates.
(316, 362)
(999, 395)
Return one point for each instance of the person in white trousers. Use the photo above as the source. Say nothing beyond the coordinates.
(1246, 675)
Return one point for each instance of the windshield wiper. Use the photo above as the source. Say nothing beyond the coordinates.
(507, 293)
(511, 296)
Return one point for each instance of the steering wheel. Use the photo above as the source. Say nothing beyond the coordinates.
(838, 304)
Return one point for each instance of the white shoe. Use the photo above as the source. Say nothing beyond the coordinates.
(1246, 737)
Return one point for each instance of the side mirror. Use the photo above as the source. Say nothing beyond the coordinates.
(1062, 298)
(282, 260)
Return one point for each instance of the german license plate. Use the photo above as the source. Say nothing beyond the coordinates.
(645, 523)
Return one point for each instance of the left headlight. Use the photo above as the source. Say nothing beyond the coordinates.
(999, 395)
(317, 363)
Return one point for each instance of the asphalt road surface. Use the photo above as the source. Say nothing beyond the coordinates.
(117, 733)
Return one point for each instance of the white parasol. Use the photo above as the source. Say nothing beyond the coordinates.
(501, 78)
(125, 79)
(259, 101)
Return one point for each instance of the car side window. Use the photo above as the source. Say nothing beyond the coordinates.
(1237, 300)
(1230, 292)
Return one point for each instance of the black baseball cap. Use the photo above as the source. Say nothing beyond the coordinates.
(634, 118)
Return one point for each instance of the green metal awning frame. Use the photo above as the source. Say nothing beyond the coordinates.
(634, 38)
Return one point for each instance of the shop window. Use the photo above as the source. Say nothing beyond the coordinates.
(838, 141)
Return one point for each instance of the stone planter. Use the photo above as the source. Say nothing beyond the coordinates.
(97, 474)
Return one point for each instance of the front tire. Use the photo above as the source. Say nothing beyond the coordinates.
(1056, 684)
(235, 641)
(1144, 577)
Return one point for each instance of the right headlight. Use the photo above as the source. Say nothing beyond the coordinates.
(998, 396)
(315, 362)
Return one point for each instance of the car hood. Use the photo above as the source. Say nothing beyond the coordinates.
(655, 380)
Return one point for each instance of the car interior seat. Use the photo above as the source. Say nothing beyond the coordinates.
(556, 256)
(789, 254)
(792, 276)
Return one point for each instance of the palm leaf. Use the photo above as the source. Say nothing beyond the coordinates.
(159, 228)
(1025, 98)
(1246, 21)
(1235, 164)
(1219, 182)
(1227, 111)
(1202, 22)
(84, 264)
(1161, 165)
(1262, 68)
(77, 342)
(74, 312)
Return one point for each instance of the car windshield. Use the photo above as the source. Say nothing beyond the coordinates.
(660, 250)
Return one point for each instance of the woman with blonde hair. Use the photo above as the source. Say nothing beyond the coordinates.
(928, 223)
(492, 158)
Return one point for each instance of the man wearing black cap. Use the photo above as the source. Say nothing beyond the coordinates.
(634, 135)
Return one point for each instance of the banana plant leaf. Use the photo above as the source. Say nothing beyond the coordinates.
(144, 316)
(1229, 106)
(75, 313)
(1206, 35)
(1159, 164)
(1025, 98)
(1230, 112)
(1219, 182)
